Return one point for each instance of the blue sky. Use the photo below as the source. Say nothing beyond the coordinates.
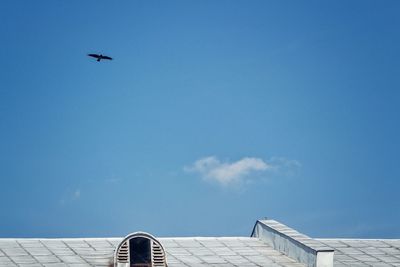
(213, 114)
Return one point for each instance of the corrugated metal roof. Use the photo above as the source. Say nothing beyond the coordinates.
(192, 251)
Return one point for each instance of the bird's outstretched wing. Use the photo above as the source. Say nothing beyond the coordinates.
(106, 57)
(93, 55)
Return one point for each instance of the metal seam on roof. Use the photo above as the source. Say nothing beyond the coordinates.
(73, 250)
(27, 252)
(50, 250)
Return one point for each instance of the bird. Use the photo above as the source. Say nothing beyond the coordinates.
(99, 57)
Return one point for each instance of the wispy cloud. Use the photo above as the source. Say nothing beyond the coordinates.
(284, 166)
(71, 196)
(243, 170)
(76, 194)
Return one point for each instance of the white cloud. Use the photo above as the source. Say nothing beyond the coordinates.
(243, 170)
(225, 173)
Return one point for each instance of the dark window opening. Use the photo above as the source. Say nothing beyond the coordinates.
(140, 252)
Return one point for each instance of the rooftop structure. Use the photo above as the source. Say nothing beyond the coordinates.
(270, 244)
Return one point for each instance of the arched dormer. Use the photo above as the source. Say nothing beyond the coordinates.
(140, 250)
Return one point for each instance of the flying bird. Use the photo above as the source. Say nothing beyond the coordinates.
(99, 57)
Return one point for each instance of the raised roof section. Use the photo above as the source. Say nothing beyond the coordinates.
(293, 244)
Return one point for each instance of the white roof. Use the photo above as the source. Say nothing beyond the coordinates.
(365, 252)
(191, 251)
(272, 244)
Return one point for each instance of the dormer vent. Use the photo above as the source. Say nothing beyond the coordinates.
(140, 250)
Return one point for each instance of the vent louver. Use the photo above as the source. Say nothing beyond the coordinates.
(123, 254)
(158, 256)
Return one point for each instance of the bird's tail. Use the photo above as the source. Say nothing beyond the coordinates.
(98, 59)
